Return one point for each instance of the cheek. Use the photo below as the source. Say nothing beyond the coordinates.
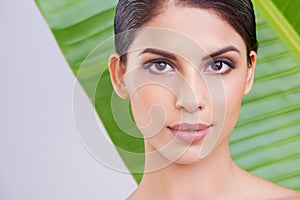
(234, 92)
(151, 104)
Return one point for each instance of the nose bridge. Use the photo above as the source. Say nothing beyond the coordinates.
(192, 92)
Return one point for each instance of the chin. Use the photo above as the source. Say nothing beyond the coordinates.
(187, 160)
(190, 156)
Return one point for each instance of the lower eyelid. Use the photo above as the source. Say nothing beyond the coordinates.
(230, 66)
(150, 66)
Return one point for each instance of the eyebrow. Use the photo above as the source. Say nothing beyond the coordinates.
(159, 53)
(173, 57)
(221, 51)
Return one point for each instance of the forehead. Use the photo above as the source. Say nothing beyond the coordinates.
(186, 29)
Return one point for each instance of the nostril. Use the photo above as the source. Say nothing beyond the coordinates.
(201, 107)
(177, 104)
(189, 105)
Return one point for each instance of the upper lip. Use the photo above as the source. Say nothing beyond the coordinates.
(189, 127)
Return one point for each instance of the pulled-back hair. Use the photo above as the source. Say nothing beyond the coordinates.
(132, 14)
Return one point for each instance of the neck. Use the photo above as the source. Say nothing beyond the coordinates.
(210, 178)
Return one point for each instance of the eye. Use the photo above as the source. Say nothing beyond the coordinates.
(219, 67)
(159, 67)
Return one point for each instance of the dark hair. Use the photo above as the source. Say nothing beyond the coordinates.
(132, 14)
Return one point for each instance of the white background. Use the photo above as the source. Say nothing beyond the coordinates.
(41, 154)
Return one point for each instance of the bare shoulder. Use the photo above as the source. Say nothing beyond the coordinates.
(142, 193)
(287, 194)
(292, 197)
(263, 189)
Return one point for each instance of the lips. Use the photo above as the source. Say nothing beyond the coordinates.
(189, 132)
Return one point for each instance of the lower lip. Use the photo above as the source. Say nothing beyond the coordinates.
(189, 136)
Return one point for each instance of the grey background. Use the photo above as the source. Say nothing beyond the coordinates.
(41, 154)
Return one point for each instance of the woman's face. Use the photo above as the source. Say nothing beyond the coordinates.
(186, 75)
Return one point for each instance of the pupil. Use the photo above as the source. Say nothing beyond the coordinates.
(161, 66)
(218, 66)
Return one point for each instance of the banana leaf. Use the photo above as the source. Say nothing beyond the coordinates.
(266, 140)
(288, 8)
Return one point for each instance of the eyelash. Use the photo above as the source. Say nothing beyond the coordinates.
(148, 66)
(153, 63)
(225, 61)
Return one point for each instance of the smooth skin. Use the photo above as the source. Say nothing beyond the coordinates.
(187, 176)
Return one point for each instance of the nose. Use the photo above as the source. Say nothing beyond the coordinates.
(192, 92)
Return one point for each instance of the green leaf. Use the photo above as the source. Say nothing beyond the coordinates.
(267, 136)
(266, 139)
(290, 9)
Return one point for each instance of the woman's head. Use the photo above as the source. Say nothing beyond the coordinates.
(133, 14)
(186, 72)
